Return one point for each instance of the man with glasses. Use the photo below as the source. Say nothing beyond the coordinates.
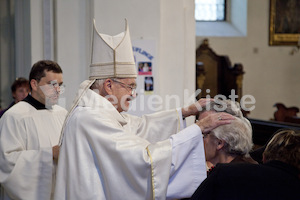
(125, 96)
(29, 136)
(108, 154)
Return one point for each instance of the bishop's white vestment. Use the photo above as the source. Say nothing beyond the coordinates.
(27, 134)
(107, 155)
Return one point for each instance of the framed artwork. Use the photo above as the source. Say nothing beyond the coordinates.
(284, 22)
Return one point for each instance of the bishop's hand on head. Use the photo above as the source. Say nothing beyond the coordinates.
(214, 120)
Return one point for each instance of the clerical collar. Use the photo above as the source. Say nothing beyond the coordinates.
(35, 103)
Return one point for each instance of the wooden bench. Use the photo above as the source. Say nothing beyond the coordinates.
(263, 130)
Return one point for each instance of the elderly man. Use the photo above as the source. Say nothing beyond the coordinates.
(29, 136)
(107, 154)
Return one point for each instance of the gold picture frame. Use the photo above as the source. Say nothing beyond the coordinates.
(284, 22)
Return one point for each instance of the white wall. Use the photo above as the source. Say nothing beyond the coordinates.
(72, 45)
(36, 33)
(272, 74)
(177, 48)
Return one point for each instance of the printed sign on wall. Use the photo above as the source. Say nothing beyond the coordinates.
(144, 55)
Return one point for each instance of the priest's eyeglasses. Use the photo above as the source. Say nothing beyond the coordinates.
(131, 87)
(60, 88)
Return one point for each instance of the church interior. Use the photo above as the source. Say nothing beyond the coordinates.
(111, 107)
(32, 30)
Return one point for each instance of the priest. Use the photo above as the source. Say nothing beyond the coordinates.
(108, 154)
(29, 136)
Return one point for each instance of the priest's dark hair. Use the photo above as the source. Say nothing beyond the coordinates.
(38, 69)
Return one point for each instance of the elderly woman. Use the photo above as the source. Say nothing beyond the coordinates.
(228, 143)
(276, 178)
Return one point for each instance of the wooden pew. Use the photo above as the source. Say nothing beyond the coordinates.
(263, 130)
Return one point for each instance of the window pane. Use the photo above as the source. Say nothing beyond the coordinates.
(210, 10)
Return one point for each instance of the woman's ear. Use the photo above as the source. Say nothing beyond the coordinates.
(220, 144)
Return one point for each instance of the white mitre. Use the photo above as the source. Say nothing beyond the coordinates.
(112, 56)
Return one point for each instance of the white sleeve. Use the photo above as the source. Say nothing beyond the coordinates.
(25, 170)
(188, 167)
(182, 122)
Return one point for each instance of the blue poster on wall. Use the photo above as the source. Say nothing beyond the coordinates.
(144, 55)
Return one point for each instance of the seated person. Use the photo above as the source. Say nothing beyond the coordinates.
(229, 143)
(277, 178)
(19, 90)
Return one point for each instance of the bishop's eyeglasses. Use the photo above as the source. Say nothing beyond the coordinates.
(131, 87)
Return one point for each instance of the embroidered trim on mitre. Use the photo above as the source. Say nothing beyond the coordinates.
(112, 56)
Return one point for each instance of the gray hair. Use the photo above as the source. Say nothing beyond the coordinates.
(98, 84)
(228, 106)
(238, 134)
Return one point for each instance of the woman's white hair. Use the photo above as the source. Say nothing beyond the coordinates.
(238, 134)
(228, 106)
